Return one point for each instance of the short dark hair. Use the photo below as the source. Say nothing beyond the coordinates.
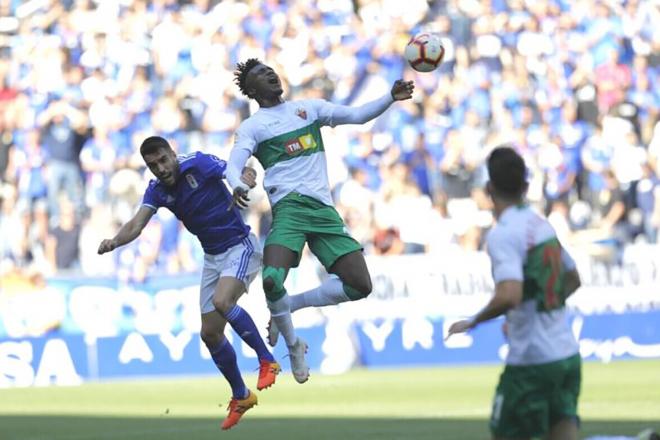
(507, 172)
(241, 72)
(152, 144)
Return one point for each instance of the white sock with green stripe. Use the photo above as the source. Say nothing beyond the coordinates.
(330, 292)
(281, 315)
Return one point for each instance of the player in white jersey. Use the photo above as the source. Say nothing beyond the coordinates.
(538, 391)
(286, 139)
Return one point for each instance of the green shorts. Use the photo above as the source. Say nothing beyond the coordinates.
(530, 399)
(298, 219)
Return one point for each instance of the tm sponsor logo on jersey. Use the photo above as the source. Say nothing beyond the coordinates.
(301, 143)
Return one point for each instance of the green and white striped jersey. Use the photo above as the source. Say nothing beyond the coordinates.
(523, 246)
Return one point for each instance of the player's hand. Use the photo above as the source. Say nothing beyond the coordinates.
(460, 327)
(249, 177)
(107, 245)
(402, 90)
(240, 198)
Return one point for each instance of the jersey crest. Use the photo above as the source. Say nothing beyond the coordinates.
(192, 181)
(301, 113)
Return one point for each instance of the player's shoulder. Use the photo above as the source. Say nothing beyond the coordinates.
(155, 186)
(495, 234)
(313, 104)
(250, 128)
(199, 160)
(309, 109)
(188, 159)
(252, 122)
(507, 228)
(195, 159)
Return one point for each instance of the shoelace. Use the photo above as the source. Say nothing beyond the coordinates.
(265, 366)
(236, 407)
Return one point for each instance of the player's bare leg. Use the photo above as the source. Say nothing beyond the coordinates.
(354, 283)
(353, 272)
(224, 357)
(277, 262)
(564, 429)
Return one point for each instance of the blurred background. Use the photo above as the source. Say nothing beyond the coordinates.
(571, 84)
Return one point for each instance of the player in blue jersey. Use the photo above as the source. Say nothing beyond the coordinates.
(192, 188)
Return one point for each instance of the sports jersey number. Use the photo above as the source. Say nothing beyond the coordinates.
(544, 275)
(552, 261)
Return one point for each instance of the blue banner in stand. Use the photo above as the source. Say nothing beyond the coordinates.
(602, 337)
(70, 360)
(96, 329)
(401, 347)
(137, 355)
(73, 359)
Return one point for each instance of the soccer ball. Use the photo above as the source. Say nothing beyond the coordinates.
(424, 52)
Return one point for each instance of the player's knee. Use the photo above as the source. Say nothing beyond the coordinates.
(222, 304)
(358, 289)
(210, 338)
(273, 282)
(268, 285)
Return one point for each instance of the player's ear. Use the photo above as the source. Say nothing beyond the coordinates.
(489, 188)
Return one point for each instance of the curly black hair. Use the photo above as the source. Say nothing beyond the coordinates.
(241, 72)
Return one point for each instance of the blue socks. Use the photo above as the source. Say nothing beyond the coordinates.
(244, 326)
(224, 357)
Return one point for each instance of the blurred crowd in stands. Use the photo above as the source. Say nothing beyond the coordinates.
(571, 84)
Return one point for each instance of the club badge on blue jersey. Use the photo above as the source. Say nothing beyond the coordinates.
(191, 181)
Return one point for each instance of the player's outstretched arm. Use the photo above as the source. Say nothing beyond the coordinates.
(129, 232)
(508, 294)
(342, 114)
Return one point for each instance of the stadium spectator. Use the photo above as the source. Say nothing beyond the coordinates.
(61, 122)
(62, 249)
(564, 82)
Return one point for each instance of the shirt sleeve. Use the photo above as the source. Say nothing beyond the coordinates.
(244, 146)
(334, 114)
(506, 259)
(151, 197)
(244, 139)
(237, 160)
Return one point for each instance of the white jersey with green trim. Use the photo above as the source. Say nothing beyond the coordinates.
(286, 139)
(523, 247)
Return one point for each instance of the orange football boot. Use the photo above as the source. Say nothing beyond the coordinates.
(237, 408)
(268, 371)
